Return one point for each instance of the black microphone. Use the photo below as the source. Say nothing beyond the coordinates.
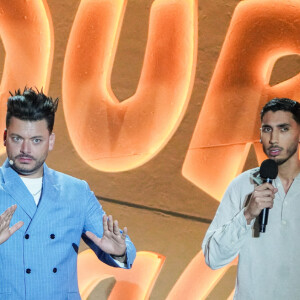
(268, 171)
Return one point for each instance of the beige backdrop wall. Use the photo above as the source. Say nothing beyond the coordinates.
(164, 212)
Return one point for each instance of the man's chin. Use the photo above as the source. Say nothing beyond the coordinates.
(24, 171)
(279, 161)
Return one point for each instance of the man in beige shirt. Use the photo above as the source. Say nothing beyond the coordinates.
(269, 263)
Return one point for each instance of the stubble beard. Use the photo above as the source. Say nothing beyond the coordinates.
(290, 152)
(24, 171)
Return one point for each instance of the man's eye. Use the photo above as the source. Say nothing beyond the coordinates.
(36, 141)
(284, 129)
(15, 139)
(266, 129)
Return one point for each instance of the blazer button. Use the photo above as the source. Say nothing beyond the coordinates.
(26, 236)
(28, 271)
(52, 236)
(54, 270)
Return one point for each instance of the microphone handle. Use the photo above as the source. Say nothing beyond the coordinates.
(263, 219)
(264, 214)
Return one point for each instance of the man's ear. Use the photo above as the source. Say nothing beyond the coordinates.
(51, 141)
(260, 135)
(4, 137)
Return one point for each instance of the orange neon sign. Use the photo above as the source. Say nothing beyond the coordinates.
(260, 32)
(138, 282)
(203, 278)
(135, 283)
(27, 34)
(135, 130)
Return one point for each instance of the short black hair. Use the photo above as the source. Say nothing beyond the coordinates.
(31, 105)
(284, 104)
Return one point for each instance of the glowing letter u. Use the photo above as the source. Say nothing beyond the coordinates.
(109, 135)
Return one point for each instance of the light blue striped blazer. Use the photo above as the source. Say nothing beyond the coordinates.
(39, 262)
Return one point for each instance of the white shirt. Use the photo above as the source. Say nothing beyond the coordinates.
(269, 264)
(34, 185)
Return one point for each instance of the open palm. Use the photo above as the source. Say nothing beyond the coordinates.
(5, 231)
(113, 241)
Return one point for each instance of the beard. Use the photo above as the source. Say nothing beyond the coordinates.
(22, 170)
(290, 152)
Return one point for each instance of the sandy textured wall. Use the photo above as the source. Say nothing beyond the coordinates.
(158, 184)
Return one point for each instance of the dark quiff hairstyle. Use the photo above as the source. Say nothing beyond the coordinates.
(31, 105)
(284, 104)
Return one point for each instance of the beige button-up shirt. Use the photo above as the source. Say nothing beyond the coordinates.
(269, 263)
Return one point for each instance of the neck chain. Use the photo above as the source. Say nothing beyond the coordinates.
(34, 194)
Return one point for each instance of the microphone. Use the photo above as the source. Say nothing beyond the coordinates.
(11, 162)
(268, 171)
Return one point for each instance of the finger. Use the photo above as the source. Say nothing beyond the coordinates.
(265, 203)
(105, 227)
(110, 223)
(265, 186)
(16, 227)
(264, 198)
(124, 233)
(263, 194)
(92, 237)
(13, 207)
(7, 215)
(116, 227)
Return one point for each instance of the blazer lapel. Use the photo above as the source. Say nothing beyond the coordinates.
(14, 185)
(50, 193)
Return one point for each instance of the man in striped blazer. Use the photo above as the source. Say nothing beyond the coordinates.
(50, 211)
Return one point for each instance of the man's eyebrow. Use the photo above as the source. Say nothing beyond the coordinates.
(37, 137)
(279, 125)
(284, 125)
(33, 137)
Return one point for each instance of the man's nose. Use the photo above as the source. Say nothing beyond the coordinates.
(25, 147)
(274, 137)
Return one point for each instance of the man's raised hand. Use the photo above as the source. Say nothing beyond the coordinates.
(5, 231)
(113, 241)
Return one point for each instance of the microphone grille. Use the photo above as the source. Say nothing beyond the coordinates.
(268, 169)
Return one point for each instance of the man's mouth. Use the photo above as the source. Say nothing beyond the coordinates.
(274, 151)
(24, 159)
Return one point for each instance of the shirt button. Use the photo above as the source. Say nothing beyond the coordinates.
(26, 236)
(54, 270)
(52, 236)
(28, 271)
(283, 222)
